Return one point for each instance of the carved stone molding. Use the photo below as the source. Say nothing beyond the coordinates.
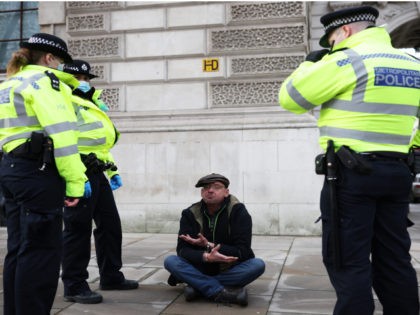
(92, 4)
(265, 10)
(252, 65)
(111, 97)
(257, 38)
(393, 10)
(338, 5)
(91, 23)
(212, 119)
(97, 47)
(101, 70)
(241, 94)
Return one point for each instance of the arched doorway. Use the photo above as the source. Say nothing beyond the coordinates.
(407, 35)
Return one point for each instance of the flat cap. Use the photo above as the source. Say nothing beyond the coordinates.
(211, 178)
(48, 43)
(333, 20)
(79, 67)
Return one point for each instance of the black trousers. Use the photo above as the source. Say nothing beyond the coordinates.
(100, 208)
(34, 207)
(374, 241)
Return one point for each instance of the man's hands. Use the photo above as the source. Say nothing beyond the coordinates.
(316, 55)
(199, 241)
(71, 202)
(214, 255)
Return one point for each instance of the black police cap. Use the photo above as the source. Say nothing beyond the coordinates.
(79, 67)
(211, 178)
(333, 20)
(48, 43)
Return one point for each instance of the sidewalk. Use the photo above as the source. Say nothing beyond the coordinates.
(295, 280)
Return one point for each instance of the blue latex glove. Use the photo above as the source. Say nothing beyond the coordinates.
(102, 106)
(115, 182)
(88, 190)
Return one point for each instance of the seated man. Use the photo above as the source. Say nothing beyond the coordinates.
(215, 258)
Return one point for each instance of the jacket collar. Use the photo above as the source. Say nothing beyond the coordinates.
(64, 77)
(371, 35)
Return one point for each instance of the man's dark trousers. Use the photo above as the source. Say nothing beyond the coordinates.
(34, 207)
(101, 208)
(373, 213)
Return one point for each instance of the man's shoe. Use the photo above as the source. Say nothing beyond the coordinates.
(190, 293)
(86, 297)
(172, 281)
(232, 296)
(125, 285)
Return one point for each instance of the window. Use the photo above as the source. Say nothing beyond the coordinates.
(18, 21)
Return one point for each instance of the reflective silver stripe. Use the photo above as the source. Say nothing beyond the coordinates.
(23, 135)
(60, 127)
(361, 75)
(344, 62)
(358, 105)
(374, 108)
(91, 142)
(66, 151)
(368, 136)
(297, 97)
(19, 102)
(91, 126)
(18, 122)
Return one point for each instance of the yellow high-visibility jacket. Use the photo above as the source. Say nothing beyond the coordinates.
(97, 133)
(32, 101)
(369, 93)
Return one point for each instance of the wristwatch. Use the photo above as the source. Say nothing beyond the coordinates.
(208, 248)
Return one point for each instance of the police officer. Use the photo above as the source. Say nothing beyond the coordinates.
(40, 171)
(369, 96)
(97, 136)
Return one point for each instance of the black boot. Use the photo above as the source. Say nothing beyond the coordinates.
(172, 281)
(85, 297)
(125, 285)
(190, 293)
(232, 296)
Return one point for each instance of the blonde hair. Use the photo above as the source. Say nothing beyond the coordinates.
(21, 58)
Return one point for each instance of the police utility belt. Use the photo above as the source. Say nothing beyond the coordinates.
(361, 162)
(95, 165)
(38, 147)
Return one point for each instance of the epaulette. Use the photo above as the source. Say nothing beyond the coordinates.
(55, 82)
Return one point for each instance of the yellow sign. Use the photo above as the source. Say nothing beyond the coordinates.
(211, 65)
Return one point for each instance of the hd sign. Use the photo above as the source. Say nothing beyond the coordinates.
(211, 65)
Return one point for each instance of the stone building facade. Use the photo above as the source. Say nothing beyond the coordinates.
(193, 88)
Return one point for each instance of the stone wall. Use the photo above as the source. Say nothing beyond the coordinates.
(179, 122)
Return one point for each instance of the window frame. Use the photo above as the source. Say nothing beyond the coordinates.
(21, 12)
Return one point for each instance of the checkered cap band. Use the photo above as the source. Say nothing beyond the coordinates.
(43, 41)
(79, 67)
(350, 19)
(71, 68)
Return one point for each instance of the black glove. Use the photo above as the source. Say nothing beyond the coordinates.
(316, 55)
